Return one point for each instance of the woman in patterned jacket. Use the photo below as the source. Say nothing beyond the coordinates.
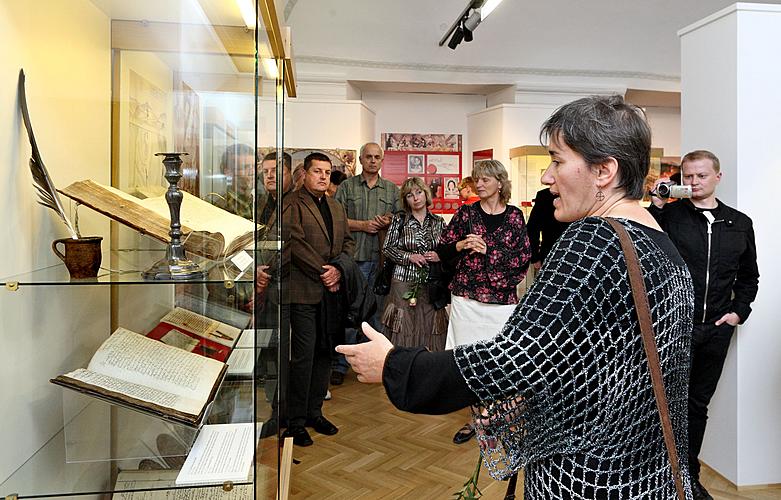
(410, 242)
(564, 389)
(487, 243)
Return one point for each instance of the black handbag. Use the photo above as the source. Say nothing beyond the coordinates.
(439, 276)
(382, 282)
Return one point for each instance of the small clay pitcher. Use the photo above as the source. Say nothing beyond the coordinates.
(82, 256)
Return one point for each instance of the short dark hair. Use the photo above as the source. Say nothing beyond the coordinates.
(337, 176)
(702, 154)
(233, 152)
(316, 156)
(287, 160)
(601, 127)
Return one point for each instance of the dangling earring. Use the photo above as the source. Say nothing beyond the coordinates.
(600, 196)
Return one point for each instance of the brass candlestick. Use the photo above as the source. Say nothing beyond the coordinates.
(175, 265)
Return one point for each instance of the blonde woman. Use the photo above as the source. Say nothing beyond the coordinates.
(487, 242)
(410, 243)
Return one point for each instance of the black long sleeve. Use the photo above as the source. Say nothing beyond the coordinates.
(419, 381)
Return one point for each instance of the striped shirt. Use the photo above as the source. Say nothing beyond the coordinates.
(413, 238)
(363, 203)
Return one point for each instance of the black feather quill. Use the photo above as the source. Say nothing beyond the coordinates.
(47, 194)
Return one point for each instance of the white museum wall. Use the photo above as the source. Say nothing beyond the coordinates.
(318, 123)
(665, 126)
(485, 130)
(758, 179)
(48, 330)
(724, 61)
(706, 80)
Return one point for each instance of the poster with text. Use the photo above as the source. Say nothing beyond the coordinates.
(443, 164)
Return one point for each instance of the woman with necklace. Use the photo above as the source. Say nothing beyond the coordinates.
(487, 242)
(410, 317)
(564, 390)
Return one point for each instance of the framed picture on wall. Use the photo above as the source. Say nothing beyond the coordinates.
(415, 164)
(444, 164)
(451, 188)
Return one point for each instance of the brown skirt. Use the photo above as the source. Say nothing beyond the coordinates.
(417, 326)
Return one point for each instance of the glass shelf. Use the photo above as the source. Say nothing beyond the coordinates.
(129, 266)
(106, 448)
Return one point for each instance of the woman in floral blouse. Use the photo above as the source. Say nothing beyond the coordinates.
(487, 242)
(409, 316)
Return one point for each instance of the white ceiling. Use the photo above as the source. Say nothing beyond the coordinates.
(588, 37)
(631, 43)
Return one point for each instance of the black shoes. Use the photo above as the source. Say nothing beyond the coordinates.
(322, 425)
(337, 378)
(464, 434)
(269, 428)
(299, 434)
(699, 492)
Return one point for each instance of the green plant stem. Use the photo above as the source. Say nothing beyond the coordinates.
(470, 491)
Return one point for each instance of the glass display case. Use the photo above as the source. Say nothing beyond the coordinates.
(528, 164)
(109, 85)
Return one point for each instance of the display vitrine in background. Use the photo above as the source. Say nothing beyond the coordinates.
(109, 85)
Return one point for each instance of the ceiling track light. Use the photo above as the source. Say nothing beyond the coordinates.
(458, 36)
(467, 22)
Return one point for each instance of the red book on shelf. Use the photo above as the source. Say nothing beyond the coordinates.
(195, 333)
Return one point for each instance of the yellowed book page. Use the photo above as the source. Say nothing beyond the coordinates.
(202, 326)
(137, 391)
(208, 230)
(136, 359)
(197, 214)
(156, 480)
(201, 215)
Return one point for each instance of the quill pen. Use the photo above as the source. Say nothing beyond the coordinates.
(47, 194)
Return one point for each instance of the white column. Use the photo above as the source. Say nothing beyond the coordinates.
(731, 105)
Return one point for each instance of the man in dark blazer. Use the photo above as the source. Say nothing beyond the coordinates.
(318, 234)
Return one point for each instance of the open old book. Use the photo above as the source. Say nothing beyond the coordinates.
(195, 333)
(207, 230)
(144, 374)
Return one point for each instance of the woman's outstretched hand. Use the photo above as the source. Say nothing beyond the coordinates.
(368, 359)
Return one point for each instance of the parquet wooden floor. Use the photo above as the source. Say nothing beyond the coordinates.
(382, 453)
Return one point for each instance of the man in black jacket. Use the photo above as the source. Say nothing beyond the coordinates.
(717, 243)
(543, 228)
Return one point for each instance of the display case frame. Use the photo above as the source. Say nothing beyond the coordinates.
(96, 443)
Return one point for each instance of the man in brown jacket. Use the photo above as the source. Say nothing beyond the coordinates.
(318, 234)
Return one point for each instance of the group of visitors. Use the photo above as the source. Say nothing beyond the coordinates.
(558, 382)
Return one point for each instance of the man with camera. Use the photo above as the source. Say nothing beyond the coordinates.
(717, 243)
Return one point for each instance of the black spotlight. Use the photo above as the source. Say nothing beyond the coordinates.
(458, 35)
(467, 34)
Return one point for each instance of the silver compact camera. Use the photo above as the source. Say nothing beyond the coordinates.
(672, 190)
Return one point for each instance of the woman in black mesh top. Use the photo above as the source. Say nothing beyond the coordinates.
(564, 389)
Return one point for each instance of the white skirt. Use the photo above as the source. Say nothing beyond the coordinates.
(471, 320)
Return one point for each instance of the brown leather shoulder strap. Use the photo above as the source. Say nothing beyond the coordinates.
(649, 344)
